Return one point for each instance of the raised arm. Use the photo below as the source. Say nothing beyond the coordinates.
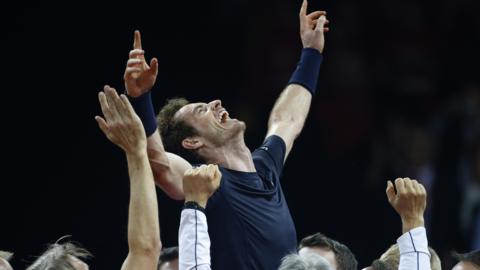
(291, 108)
(139, 77)
(193, 239)
(409, 201)
(124, 128)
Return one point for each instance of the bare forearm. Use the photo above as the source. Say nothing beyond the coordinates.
(143, 224)
(289, 113)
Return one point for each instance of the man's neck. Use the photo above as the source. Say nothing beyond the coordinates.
(234, 155)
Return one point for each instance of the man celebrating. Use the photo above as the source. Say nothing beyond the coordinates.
(248, 218)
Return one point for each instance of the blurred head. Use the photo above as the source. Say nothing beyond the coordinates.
(5, 256)
(168, 259)
(308, 261)
(338, 255)
(392, 258)
(189, 128)
(66, 256)
(467, 261)
(379, 265)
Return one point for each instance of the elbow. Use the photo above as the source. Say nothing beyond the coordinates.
(163, 179)
(286, 124)
(286, 120)
(150, 248)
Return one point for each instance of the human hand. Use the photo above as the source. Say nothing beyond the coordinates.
(409, 201)
(121, 124)
(200, 183)
(312, 28)
(139, 77)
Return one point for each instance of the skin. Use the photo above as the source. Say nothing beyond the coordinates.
(200, 183)
(220, 142)
(327, 254)
(77, 263)
(5, 265)
(171, 265)
(464, 266)
(409, 201)
(123, 127)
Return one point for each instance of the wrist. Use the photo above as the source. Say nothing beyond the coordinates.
(193, 205)
(143, 106)
(200, 200)
(306, 73)
(137, 153)
(409, 223)
(313, 48)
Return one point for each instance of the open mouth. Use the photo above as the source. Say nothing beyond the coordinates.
(222, 117)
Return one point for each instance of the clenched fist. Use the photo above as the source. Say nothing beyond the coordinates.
(409, 200)
(200, 183)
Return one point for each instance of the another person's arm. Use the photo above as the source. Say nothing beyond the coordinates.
(124, 128)
(168, 168)
(409, 201)
(291, 108)
(193, 239)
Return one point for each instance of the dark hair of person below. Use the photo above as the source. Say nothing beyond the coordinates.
(168, 255)
(472, 257)
(343, 255)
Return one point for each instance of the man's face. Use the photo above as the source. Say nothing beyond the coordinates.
(211, 121)
(4, 265)
(170, 265)
(77, 263)
(326, 253)
(464, 266)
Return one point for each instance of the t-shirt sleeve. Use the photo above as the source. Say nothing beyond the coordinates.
(271, 154)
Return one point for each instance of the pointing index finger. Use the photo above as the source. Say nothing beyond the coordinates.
(303, 9)
(137, 42)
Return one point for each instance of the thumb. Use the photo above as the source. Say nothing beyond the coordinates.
(154, 66)
(390, 191)
(102, 124)
(321, 23)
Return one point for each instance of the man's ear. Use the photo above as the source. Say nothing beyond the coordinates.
(192, 143)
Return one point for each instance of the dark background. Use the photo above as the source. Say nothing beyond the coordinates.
(398, 96)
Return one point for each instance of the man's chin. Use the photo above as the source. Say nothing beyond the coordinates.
(240, 125)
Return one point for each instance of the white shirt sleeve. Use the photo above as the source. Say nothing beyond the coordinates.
(193, 241)
(414, 254)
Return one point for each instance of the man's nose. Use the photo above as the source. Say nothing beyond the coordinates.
(215, 104)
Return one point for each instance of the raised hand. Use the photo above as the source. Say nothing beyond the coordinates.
(409, 200)
(200, 183)
(121, 124)
(312, 28)
(139, 77)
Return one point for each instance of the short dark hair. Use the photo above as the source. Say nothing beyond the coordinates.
(344, 257)
(57, 257)
(472, 257)
(174, 131)
(168, 255)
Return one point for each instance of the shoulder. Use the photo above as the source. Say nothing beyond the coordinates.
(270, 154)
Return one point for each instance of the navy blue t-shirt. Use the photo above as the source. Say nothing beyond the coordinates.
(249, 223)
